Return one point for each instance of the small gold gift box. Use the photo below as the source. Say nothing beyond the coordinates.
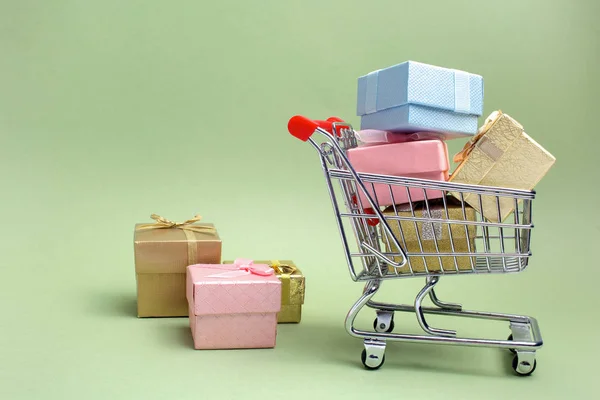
(163, 250)
(500, 155)
(463, 235)
(292, 289)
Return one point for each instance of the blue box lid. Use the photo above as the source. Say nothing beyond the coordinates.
(416, 83)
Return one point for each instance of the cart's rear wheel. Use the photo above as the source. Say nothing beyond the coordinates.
(527, 368)
(511, 339)
(371, 365)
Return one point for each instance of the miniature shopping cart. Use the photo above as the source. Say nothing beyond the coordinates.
(380, 251)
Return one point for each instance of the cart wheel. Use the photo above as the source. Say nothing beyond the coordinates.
(510, 337)
(372, 366)
(388, 330)
(527, 367)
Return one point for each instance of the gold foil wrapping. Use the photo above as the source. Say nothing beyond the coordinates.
(292, 289)
(161, 258)
(463, 236)
(501, 155)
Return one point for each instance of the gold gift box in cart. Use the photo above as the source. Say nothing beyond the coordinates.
(428, 233)
(500, 155)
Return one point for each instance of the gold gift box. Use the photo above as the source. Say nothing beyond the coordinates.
(500, 155)
(292, 289)
(162, 254)
(463, 236)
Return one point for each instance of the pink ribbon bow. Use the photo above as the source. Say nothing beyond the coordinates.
(241, 267)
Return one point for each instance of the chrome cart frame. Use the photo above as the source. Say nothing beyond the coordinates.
(380, 252)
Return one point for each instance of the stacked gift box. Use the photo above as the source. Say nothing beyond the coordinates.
(230, 304)
(408, 112)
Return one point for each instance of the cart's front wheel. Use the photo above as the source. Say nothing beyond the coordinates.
(384, 321)
(523, 368)
(371, 361)
(380, 326)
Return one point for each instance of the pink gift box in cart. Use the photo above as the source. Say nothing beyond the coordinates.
(233, 306)
(426, 159)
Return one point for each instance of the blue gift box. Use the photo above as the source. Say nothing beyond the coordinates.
(413, 96)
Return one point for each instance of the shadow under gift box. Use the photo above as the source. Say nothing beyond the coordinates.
(463, 236)
(501, 155)
(232, 312)
(292, 289)
(426, 159)
(161, 258)
(413, 96)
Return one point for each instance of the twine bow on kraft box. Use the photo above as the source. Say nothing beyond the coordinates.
(163, 250)
(292, 289)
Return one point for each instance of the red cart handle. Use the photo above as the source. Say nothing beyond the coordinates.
(303, 128)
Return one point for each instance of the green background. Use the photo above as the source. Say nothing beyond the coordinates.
(113, 110)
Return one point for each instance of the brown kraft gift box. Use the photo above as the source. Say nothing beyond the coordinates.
(162, 251)
(463, 239)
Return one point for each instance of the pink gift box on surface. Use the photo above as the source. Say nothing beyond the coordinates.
(233, 306)
(426, 159)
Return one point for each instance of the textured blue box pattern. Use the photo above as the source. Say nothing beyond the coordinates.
(414, 96)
